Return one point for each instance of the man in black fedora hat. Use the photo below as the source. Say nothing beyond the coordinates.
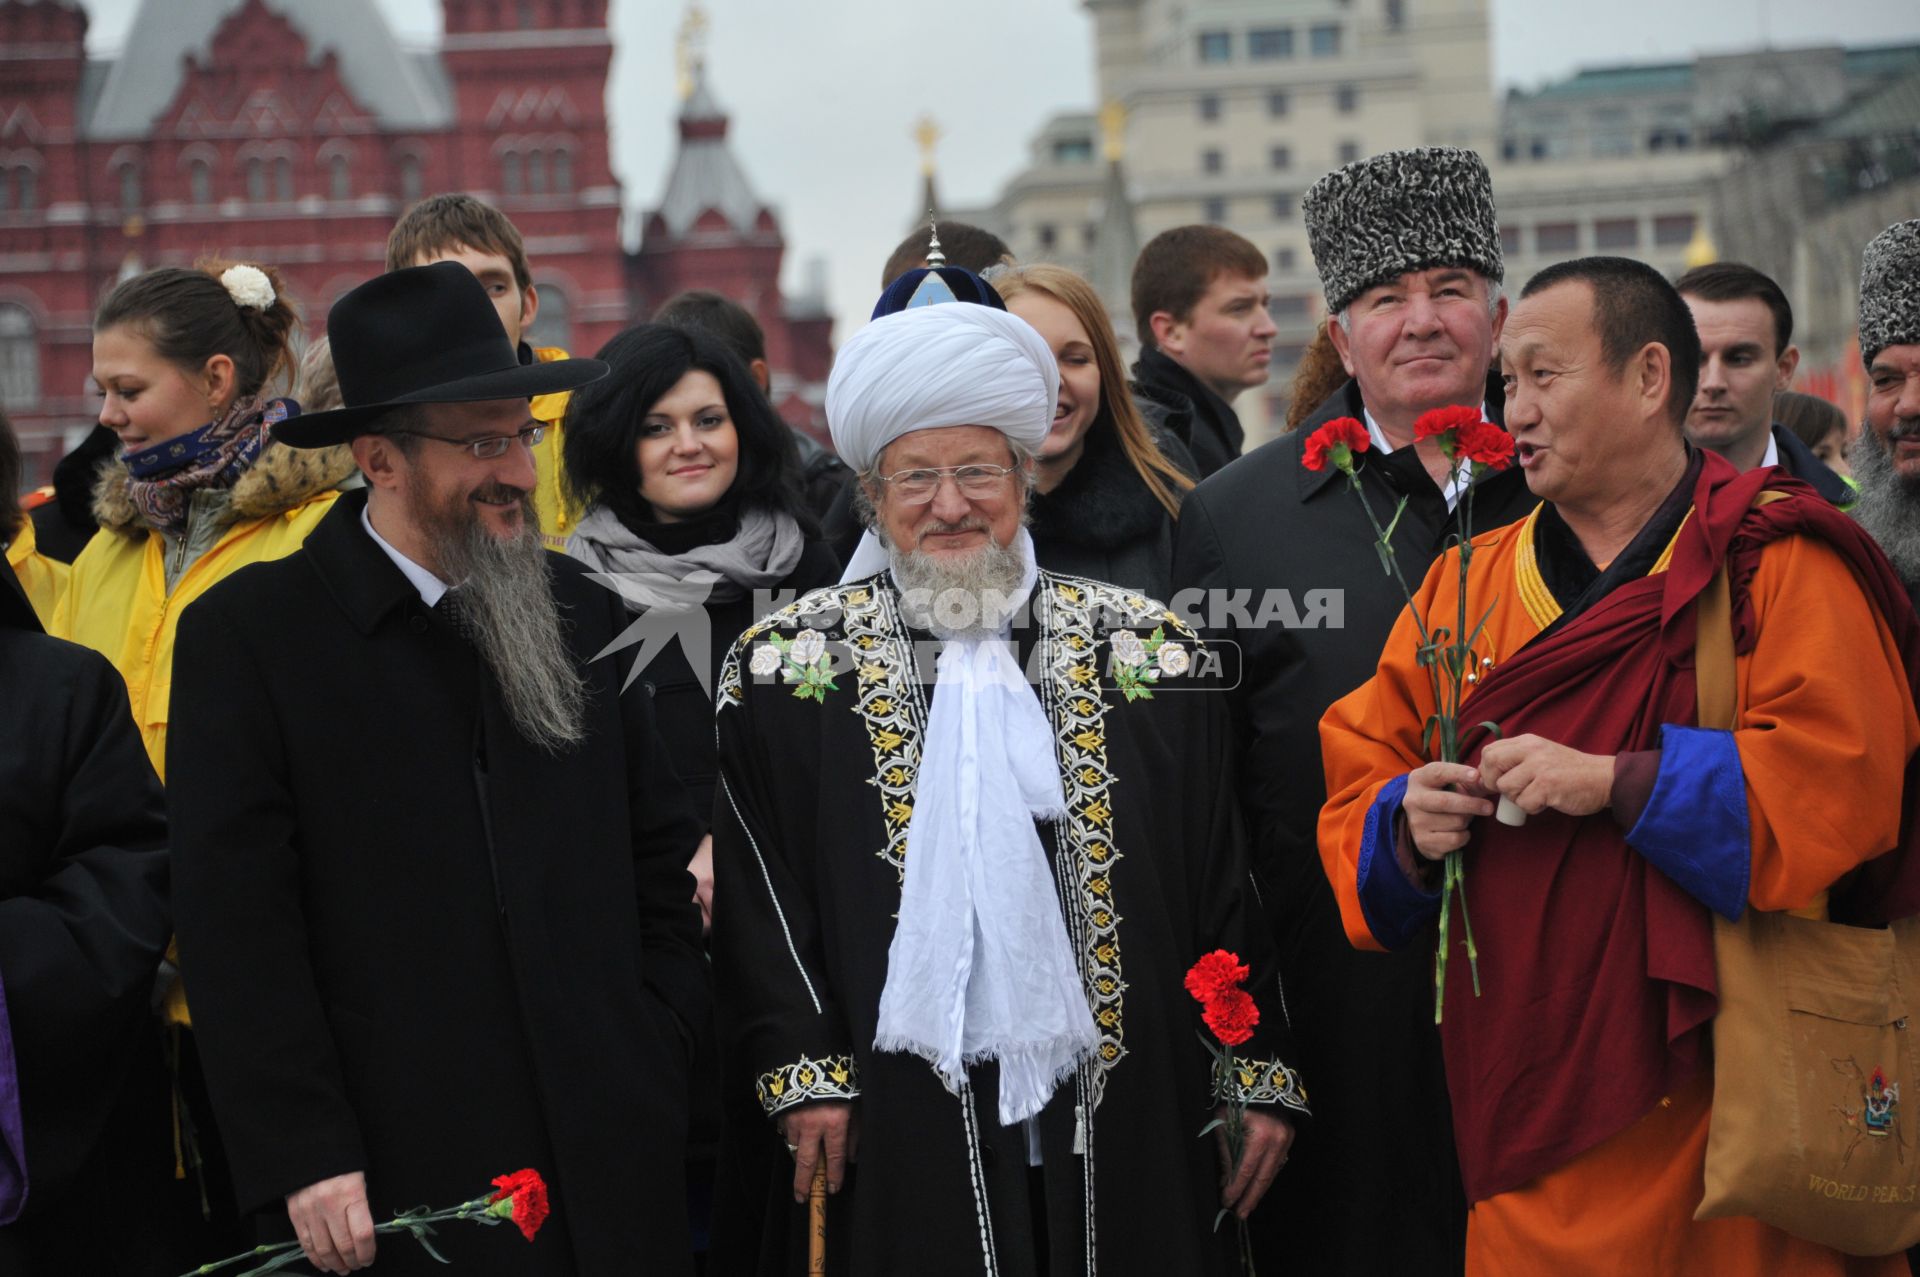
(430, 866)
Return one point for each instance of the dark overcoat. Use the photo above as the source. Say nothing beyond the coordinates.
(416, 945)
(83, 922)
(1176, 400)
(1364, 1020)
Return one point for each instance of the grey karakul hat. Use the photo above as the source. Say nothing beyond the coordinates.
(1383, 216)
(1890, 290)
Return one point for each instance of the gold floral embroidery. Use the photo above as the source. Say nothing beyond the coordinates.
(887, 705)
(1265, 1082)
(832, 1077)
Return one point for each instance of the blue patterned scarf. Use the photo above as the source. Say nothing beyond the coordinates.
(163, 478)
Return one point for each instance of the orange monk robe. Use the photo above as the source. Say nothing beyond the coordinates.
(1824, 728)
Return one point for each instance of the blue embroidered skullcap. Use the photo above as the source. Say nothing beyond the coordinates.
(931, 285)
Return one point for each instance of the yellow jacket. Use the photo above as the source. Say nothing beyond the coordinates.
(117, 601)
(557, 515)
(43, 579)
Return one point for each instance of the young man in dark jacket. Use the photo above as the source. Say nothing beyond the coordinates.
(1200, 307)
(1746, 354)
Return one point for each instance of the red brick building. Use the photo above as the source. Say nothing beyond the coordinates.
(295, 132)
(711, 231)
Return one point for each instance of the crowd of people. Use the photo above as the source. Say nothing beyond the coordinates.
(481, 757)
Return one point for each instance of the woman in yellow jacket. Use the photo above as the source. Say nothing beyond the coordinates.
(182, 359)
(42, 578)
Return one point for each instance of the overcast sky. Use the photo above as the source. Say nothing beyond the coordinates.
(824, 93)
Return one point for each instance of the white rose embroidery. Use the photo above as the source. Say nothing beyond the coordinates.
(248, 286)
(808, 647)
(1128, 649)
(765, 661)
(1173, 659)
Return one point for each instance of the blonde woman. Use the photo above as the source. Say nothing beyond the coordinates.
(1108, 487)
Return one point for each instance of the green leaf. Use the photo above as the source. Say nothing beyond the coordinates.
(1385, 552)
(1224, 1212)
(1491, 727)
(1394, 522)
(1211, 1127)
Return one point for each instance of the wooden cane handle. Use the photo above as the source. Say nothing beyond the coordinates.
(817, 1223)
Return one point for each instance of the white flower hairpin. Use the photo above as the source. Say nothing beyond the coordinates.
(248, 286)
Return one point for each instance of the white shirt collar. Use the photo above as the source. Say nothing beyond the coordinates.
(1453, 490)
(430, 586)
(1773, 450)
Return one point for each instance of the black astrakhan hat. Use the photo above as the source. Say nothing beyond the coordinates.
(1890, 290)
(1378, 218)
(427, 334)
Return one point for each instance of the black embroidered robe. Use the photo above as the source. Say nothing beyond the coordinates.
(822, 712)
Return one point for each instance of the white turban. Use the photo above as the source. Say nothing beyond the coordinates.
(954, 364)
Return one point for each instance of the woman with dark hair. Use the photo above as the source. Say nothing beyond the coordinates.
(689, 484)
(1107, 485)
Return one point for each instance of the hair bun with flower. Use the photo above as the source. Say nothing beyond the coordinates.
(248, 286)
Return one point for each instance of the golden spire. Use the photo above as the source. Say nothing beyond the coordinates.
(1113, 129)
(1700, 249)
(926, 133)
(690, 49)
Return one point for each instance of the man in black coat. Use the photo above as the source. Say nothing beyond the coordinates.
(1280, 561)
(431, 865)
(1746, 355)
(83, 922)
(1199, 298)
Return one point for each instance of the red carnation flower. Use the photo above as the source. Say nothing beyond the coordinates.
(1487, 444)
(1232, 1016)
(1437, 421)
(529, 1199)
(1328, 442)
(1220, 972)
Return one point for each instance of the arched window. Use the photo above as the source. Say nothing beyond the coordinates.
(200, 182)
(257, 181)
(130, 188)
(19, 356)
(510, 173)
(553, 326)
(563, 171)
(410, 182)
(283, 180)
(536, 172)
(339, 178)
(25, 192)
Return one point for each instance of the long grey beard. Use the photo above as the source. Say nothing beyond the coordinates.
(954, 598)
(1888, 506)
(506, 606)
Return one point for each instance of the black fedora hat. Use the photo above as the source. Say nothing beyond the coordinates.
(427, 334)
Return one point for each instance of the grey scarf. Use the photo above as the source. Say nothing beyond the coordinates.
(761, 554)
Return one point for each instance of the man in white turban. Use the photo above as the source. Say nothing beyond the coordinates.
(976, 823)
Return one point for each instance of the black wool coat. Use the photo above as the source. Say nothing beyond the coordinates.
(417, 946)
(1364, 1020)
(84, 920)
(1102, 522)
(1180, 402)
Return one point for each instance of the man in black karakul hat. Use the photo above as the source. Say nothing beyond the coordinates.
(430, 865)
(1408, 251)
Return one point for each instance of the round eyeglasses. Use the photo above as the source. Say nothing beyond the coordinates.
(976, 483)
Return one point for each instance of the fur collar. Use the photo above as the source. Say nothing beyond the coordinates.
(281, 479)
(1102, 503)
